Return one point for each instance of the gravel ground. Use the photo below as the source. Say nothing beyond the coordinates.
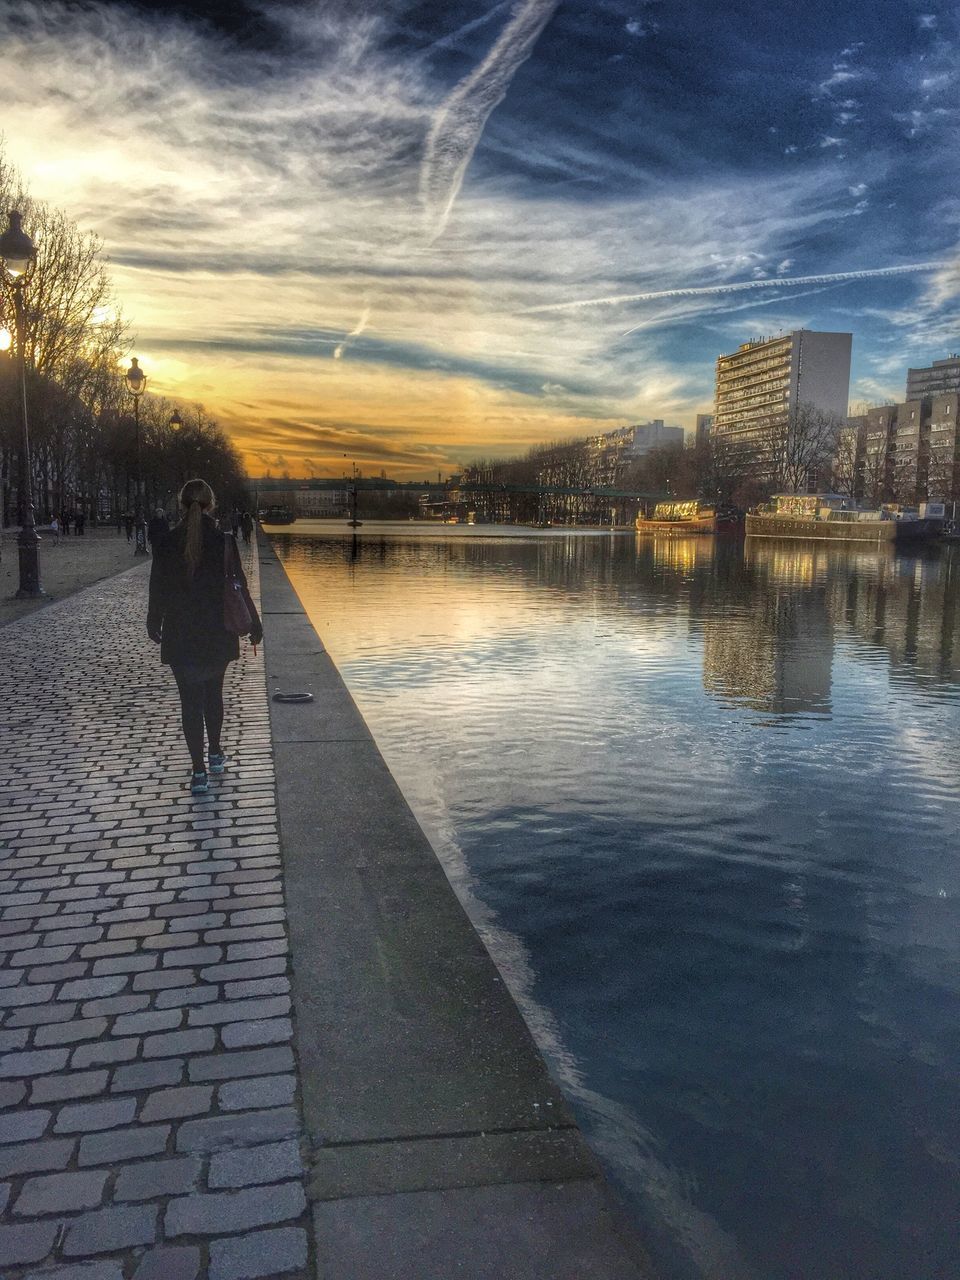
(73, 564)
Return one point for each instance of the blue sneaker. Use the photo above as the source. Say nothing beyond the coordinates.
(217, 761)
(198, 783)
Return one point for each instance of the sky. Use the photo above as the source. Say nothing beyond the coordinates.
(411, 235)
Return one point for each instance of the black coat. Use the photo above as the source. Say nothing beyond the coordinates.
(158, 528)
(188, 612)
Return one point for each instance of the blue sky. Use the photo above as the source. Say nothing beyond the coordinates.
(415, 234)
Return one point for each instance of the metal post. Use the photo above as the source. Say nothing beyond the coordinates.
(28, 542)
(139, 520)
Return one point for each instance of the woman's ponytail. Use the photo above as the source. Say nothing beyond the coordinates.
(196, 496)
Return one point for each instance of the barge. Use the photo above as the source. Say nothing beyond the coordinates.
(691, 517)
(829, 517)
(276, 515)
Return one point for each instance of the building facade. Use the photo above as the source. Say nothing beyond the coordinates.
(653, 435)
(760, 386)
(319, 503)
(906, 453)
(941, 377)
(943, 453)
(609, 453)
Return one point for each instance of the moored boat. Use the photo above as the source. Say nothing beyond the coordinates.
(690, 517)
(836, 518)
(277, 515)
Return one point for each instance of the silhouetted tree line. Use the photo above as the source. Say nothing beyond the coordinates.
(82, 435)
(711, 468)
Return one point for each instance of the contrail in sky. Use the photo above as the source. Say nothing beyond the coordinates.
(776, 282)
(355, 332)
(456, 130)
(446, 41)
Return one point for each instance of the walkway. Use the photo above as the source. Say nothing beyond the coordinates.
(148, 1091)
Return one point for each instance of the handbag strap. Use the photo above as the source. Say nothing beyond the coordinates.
(229, 572)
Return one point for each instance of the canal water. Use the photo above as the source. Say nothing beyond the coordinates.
(701, 800)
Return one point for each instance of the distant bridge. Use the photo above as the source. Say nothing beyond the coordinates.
(365, 483)
(573, 491)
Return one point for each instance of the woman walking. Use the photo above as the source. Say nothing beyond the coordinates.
(185, 617)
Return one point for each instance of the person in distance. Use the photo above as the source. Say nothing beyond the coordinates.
(185, 617)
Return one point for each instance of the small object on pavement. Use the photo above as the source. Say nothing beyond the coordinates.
(293, 697)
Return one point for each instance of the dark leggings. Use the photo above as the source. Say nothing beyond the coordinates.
(201, 702)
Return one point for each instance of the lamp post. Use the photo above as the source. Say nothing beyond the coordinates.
(136, 381)
(18, 255)
(175, 423)
(6, 341)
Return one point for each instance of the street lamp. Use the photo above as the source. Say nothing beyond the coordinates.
(18, 255)
(136, 381)
(176, 422)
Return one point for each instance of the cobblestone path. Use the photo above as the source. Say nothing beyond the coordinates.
(149, 1121)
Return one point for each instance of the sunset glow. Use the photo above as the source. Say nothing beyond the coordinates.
(423, 234)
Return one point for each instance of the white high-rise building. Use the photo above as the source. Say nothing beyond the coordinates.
(761, 384)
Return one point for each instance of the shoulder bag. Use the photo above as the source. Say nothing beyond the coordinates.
(236, 616)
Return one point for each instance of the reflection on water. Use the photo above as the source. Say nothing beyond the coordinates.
(701, 800)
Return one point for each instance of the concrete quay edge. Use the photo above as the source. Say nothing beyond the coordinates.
(439, 1146)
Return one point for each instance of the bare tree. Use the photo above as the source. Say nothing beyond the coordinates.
(83, 448)
(807, 448)
(848, 461)
(943, 472)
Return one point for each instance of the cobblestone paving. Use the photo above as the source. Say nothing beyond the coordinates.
(149, 1121)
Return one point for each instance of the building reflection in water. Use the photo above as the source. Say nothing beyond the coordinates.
(773, 651)
(770, 644)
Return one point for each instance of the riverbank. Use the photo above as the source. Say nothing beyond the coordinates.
(191, 1088)
(65, 567)
(439, 1145)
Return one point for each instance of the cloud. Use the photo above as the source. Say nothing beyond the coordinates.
(270, 217)
(778, 282)
(355, 332)
(459, 123)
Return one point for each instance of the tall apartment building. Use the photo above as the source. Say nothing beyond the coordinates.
(761, 384)
(704, 427)
(937, 378)
(610, 452)
(906, 452)
(879, 428)
(943, 451)
(649, 435)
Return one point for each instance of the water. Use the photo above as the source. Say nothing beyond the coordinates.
(701, 801)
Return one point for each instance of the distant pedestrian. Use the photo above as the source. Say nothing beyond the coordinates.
(246, 527)
(235, 522)
(128, 524)
(65, 523)
(185, 617)
(158, 528)
(79, 521)
(119, 524)
(55, 531)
